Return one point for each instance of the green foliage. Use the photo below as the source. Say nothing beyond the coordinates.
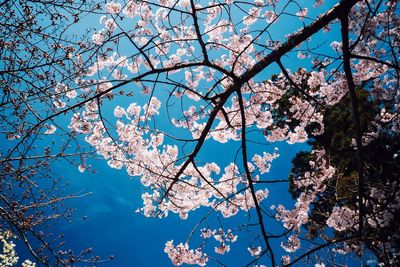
(382, 165)
(339, 131)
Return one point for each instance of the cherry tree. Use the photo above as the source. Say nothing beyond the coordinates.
(180, 75)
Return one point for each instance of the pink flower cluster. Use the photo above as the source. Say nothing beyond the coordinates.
(313, 183)
(181, 254)
(220, 236)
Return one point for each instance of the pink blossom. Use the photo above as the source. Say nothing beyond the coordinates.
(50, 129)
(254, 251)
(110, 25)
(302, 13)
(98, 38)
(81, 168)
(342, 218)
(292, 244)
(130, 8)
(113, 7)
(222, 249)
(181, 254)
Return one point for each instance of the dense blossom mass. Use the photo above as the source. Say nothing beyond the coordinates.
(216, 73)
(208, 47)
(8, 255)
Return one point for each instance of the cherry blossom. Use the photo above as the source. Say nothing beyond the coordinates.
(181, 254)
(50, 129)
(342, 218)
(254, 251)
(223, 74)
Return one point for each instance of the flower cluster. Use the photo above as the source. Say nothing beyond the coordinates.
(181, 254)
(8, 255)
(314, 183)
(342, 218)
(220, 236)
